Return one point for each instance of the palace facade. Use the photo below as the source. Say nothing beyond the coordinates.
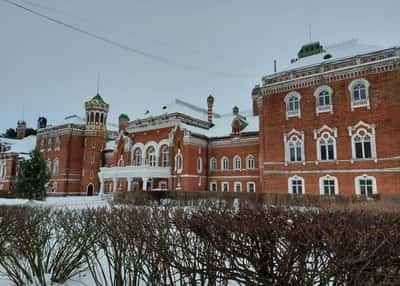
(328, 124)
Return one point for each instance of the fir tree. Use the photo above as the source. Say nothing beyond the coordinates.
(32, 178)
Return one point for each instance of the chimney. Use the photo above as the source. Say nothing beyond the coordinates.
(123, 120)
(21, 129)
(210, 104)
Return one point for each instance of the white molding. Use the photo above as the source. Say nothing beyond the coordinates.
(365, 177)
(317, 92)
(213, 159)
(237, 157)
(236, 184)
(287, 99)
(297, 178)
(222, 187)
(222, 163)
(248, 187)
(339, 171)
(234, 177)
(367, 87)
(213, 184)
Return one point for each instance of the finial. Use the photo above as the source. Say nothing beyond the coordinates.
(98, 82)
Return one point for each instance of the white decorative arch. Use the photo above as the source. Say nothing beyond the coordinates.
(364, 177)
(250, 162)
(296, 178)
(325, 107)
(223, 160)
(359, 102)
(153, 144)
(134, 147)
(213, 164)
(237, 163)
(291, 111)
(361, 131)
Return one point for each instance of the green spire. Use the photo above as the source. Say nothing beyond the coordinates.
(98, 98)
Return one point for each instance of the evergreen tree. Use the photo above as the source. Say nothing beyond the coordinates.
(10, 133)
(32, 177)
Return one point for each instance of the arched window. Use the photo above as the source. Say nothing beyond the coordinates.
(328, 186)
(56, 167)
(296, 185)
(224, 164)
(323, 95)
(292, 101)
(165, 156)
(102, 118)
(151, 156)
(294, 149)
(213, 164)
(138, 157)
(359, 93)
(327, 148)
(365, 186)
(49, 144)
(91, 117)
(97, 118)
(199, 165)
(121, 162)
(250, 162)
(3, 170)
(179, 162)
(237, 163)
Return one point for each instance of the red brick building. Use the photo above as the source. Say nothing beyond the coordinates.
(330, 123)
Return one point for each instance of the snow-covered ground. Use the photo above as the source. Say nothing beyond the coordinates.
(72, 202)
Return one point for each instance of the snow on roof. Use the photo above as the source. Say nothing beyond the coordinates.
(80, 120)
(21, 146)
(223, 126)
(179, 106)
(338, 51)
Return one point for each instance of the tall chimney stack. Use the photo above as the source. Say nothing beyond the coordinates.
(210, 104)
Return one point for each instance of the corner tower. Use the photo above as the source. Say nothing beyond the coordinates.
(96, 113)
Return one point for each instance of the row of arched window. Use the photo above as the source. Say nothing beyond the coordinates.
(149, 156)
(50, 146)
(329, 185)
(324, 103)
(362, 143)
(96, 117)
(237, 163)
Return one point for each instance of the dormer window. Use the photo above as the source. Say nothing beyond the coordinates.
(292, 101)
(359, 93)
(323, 96)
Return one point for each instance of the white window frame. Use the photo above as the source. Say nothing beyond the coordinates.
(326, 137)
(361, 102)
(164, 156)
(235, 187)
(323, 108)
(56, 167)
(248, 187)
(365, 177)
(3, 170)
(213, 164)
(213, 187)
(42, 143)
(137, 156)
(292, 137)
(151, 154)
(161, 185)
(321, 184)
(199, 164)
(49, 144)
(237, 163)
(362, 129)
(223, 160)
(292, 113)
(179, 162)
(250, 162)
(57, 144)
(227, 187)
(296, 178)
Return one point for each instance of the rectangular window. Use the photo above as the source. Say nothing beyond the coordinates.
(297, 187)
(251, 187)
(329, 187)
(323, 152)
(213, 187)
(366, 187)
(331, 153)
(359, 150)
(367, 150)
(238, 187)
(225, 187)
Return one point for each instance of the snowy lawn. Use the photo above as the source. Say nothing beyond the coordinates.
(71, 202)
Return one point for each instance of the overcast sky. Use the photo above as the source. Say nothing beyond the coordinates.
(219, 47)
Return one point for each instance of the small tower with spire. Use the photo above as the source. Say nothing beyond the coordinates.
(21, 129)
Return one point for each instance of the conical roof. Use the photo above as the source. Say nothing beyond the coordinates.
(98, 98)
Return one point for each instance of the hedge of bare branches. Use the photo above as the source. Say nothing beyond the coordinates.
(160, 246)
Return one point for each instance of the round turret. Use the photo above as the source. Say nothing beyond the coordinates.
(96, 112)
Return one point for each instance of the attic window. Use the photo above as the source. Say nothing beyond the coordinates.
(327, 56)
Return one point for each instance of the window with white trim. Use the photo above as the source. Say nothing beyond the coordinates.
(48, 164)
(294, 149)
(163, 185)
(213, 186)
(224, 164)
(3, 170)
(363, 141)
(328, 186)
(199, 165)
(237, 163)
(213, 164)
(225, 187)
(327, 147)
(121, 162)
(53, 187)
(179, 162)
(49, 144)
(138, 157)
(57, 144)
(296, 185)
(251, 187)
(323, 97)
(42, 144)
(56, 167)
(365, 186)
(359, 93)
(238, 187)
(292, 102)
(250, 162)
(151, 156)
(165, 156)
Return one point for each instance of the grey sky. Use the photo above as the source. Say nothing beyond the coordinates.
(51, 70)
